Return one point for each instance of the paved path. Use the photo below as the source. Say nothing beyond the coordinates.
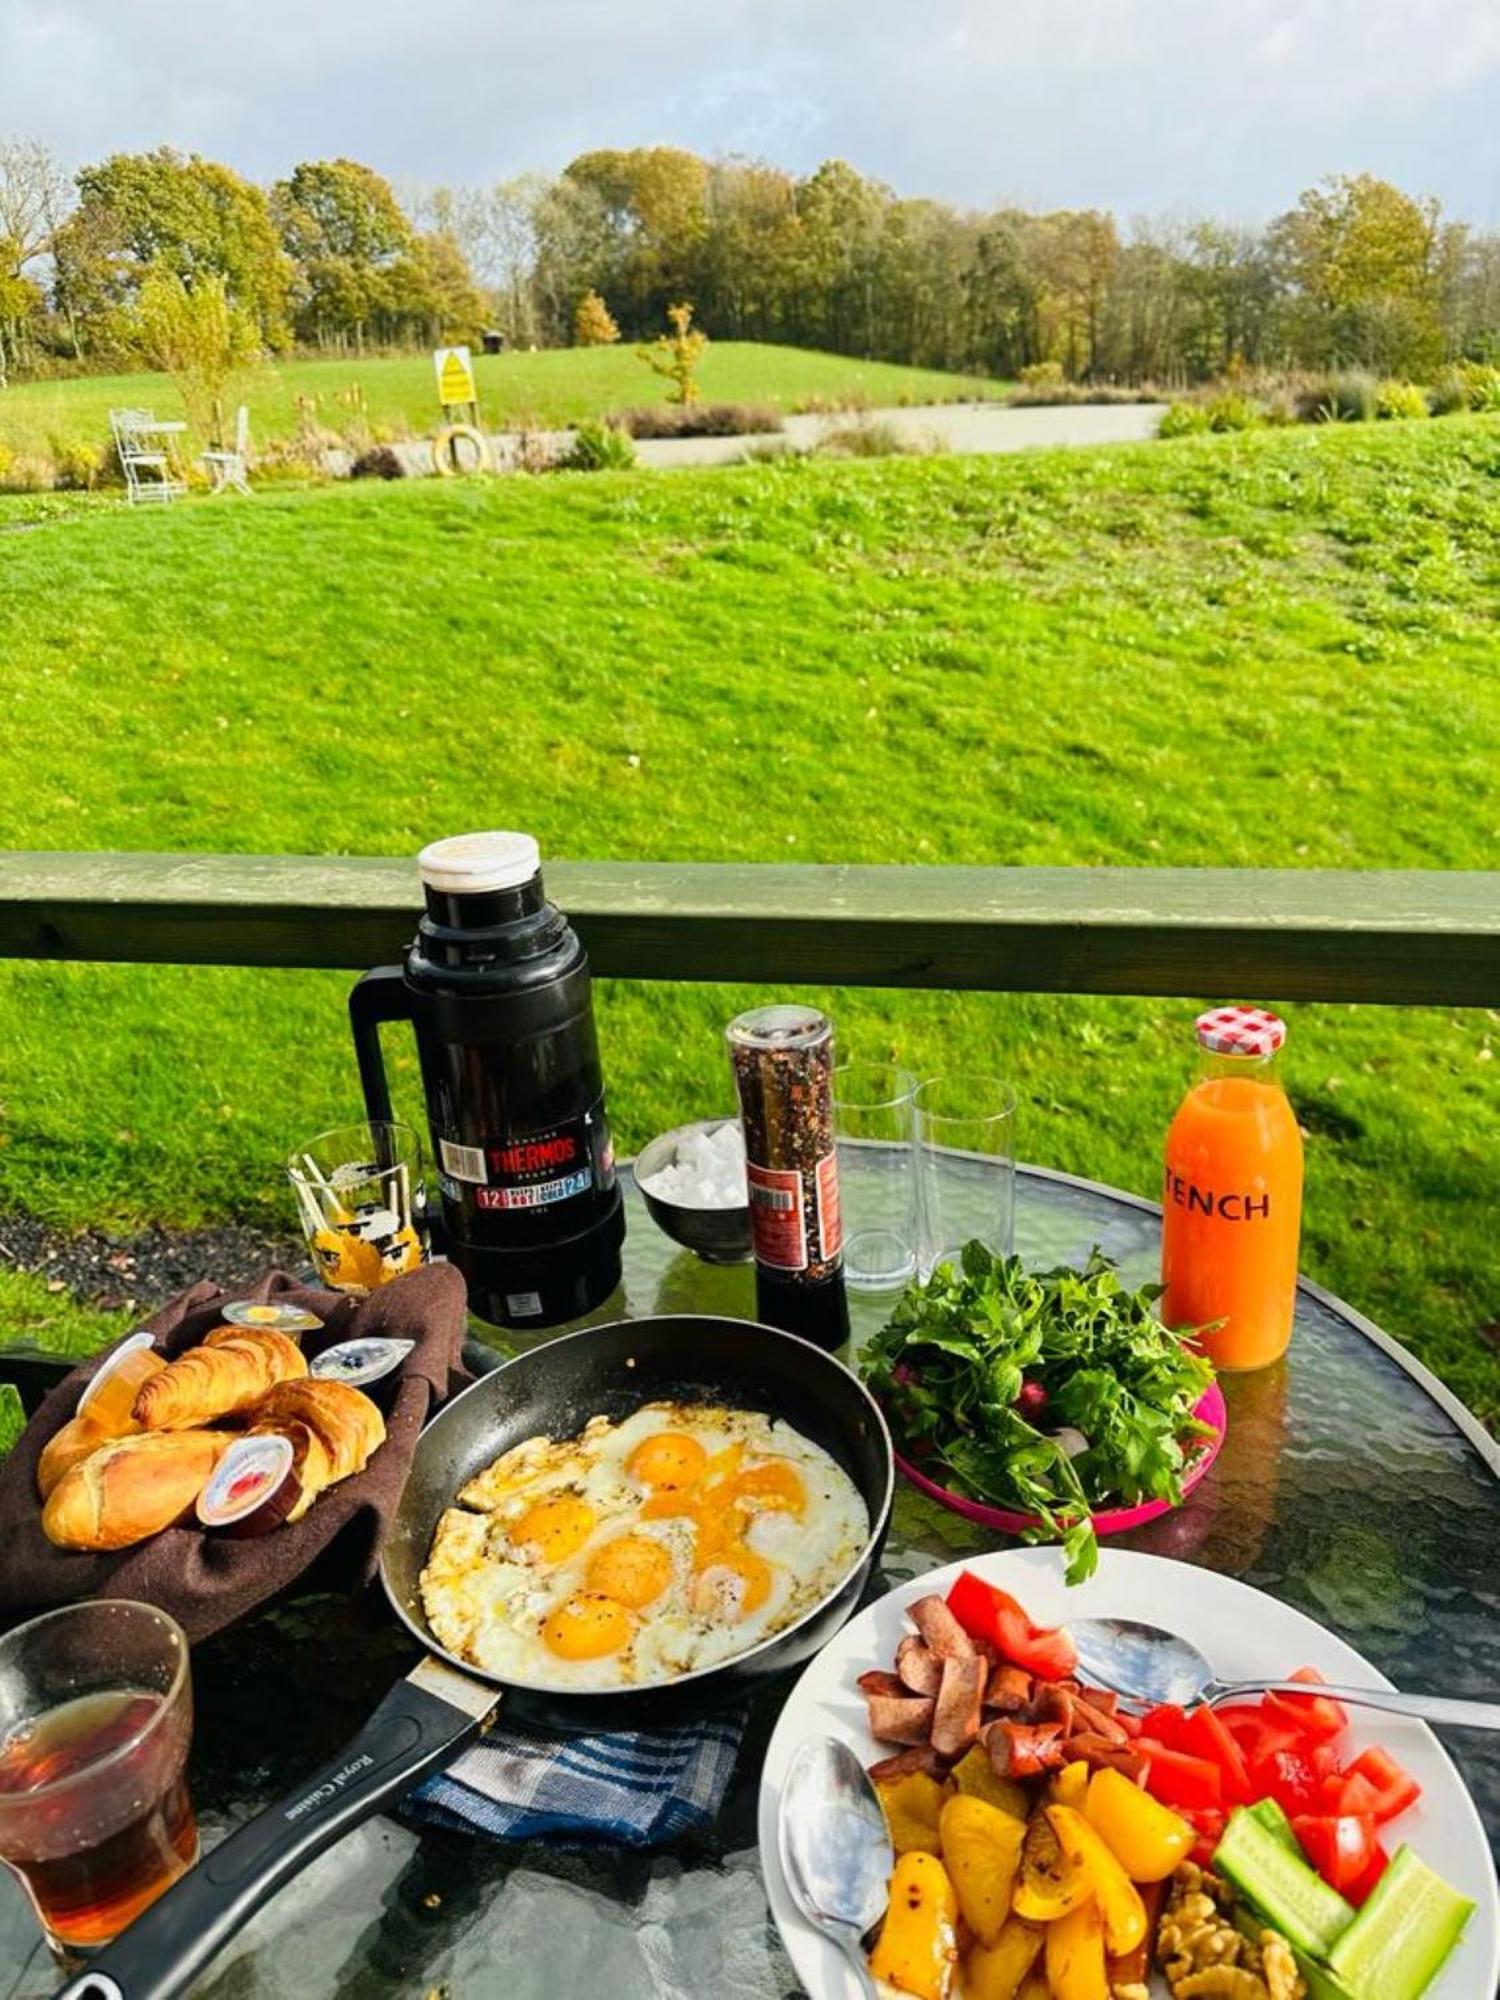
(954, 427)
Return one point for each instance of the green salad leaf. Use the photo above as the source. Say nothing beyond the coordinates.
(979, 1369)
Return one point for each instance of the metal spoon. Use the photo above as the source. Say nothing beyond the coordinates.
(1142, 1663)
(836, 1853)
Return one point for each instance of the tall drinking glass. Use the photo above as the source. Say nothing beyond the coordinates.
(96, 1714)
(966, 1167)
(360, 1197)
(872, 1128)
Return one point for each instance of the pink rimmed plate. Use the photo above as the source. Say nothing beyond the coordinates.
(1114, 1520)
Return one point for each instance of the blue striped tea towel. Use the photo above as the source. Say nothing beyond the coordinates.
(634, 1788)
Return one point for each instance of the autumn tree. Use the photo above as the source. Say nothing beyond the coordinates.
(676, 355)
(193, 216)
(197, 335)
(593, 323)
(1364, 265)
(343, 230)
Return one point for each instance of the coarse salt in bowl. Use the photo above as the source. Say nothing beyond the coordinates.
(692, 1180)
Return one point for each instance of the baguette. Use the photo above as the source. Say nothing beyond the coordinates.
(344, 1421)
(79, 1438)
(130, 1488)
(230, 1372)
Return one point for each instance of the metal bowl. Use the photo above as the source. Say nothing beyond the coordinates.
(717, 1235)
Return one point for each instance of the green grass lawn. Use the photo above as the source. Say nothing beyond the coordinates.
(550, 389)
(1271, 649)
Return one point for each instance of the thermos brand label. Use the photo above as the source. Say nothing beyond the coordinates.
(1230, 1206)
(533, 1170)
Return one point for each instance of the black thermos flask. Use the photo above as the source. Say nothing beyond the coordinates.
(496, 986)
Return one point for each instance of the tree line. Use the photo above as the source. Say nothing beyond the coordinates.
(1357, 273)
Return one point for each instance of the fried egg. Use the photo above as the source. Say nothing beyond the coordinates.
(639, 1551)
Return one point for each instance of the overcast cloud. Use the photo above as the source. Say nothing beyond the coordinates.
(1231, 106)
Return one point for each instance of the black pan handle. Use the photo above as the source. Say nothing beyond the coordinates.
(411, 1734)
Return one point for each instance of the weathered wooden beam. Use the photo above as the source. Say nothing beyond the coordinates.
(1410, 938)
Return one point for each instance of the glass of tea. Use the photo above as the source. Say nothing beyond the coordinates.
(96, 1714)
(362, 1204)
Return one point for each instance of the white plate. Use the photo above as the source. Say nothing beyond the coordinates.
(1241, 1630)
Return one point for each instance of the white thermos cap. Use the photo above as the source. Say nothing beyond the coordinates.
(476, 864)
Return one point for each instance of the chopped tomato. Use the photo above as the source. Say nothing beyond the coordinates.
(1315, 1715)
(1257, 1733)
(1178, 1779)
(1394, 1786)
(1163, 1724)
(1289, 1779)
(1208, 1823)
(1323, 1761)
(1341, 1848)
(1347, 1792)
(1358, 1892)
(994, 1616)
(1204, 1735)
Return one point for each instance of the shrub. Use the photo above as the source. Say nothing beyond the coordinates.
(849, 402)
(1399, 399)
(594, 324)
(1449, 393)
(678, 420)
(865, 439)
(79, 466)
(597, 448)
(1042, 375)
(1481, 384)
(1337, 399)
(1183, 420)
(1030, 395)
(26, 472)
(378, 462)
(1231, 412)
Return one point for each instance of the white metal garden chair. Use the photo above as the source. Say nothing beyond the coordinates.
(227, 466)
(143, 442)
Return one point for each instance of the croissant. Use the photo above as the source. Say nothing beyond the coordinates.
(345, 1422)
(130, 1488)
(231, 1371)
(78, 1439)
(312, 1468)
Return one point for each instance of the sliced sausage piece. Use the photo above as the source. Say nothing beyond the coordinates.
(941, 1629)
(1056, 1704)
(903, 1718)
(1099, 1753)
(1104, 1699)
(1095, 1721)
(1024, 1749)
(922, 1757)
(955, 1723)
(1009, 1689)
(878, 1681)
(917, 1666)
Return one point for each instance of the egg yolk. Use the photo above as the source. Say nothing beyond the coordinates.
(669, 1460)
(633, 1570)
(736, 1583)
(555, 1528)
(586, 1627)
(776, 1484)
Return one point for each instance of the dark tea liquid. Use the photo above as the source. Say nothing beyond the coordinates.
(95, 1855)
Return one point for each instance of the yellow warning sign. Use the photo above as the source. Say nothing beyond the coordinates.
(455, 375)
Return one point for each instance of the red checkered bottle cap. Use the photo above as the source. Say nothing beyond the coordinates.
(1241, 1031)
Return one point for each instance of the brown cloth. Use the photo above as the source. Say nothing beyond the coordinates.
(206, 1581)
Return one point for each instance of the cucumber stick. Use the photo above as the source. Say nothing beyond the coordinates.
(1293, 1898)
(1394, 1947)
(1274, 1820)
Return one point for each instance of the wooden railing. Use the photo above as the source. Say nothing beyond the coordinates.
(1413, 938)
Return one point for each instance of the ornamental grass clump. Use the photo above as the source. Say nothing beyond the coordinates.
(1395, 401)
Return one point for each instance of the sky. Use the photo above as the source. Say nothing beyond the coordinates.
(1229, 107)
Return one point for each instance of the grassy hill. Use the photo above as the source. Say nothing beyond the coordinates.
(1271, 649)
(549, 389)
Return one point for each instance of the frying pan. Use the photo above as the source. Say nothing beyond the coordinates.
(444, 1703)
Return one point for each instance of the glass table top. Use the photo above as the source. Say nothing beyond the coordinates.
(1350, 1485)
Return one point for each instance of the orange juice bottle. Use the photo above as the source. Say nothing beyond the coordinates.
(1232, 1194)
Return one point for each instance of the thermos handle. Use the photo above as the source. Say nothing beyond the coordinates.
(381, 995)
